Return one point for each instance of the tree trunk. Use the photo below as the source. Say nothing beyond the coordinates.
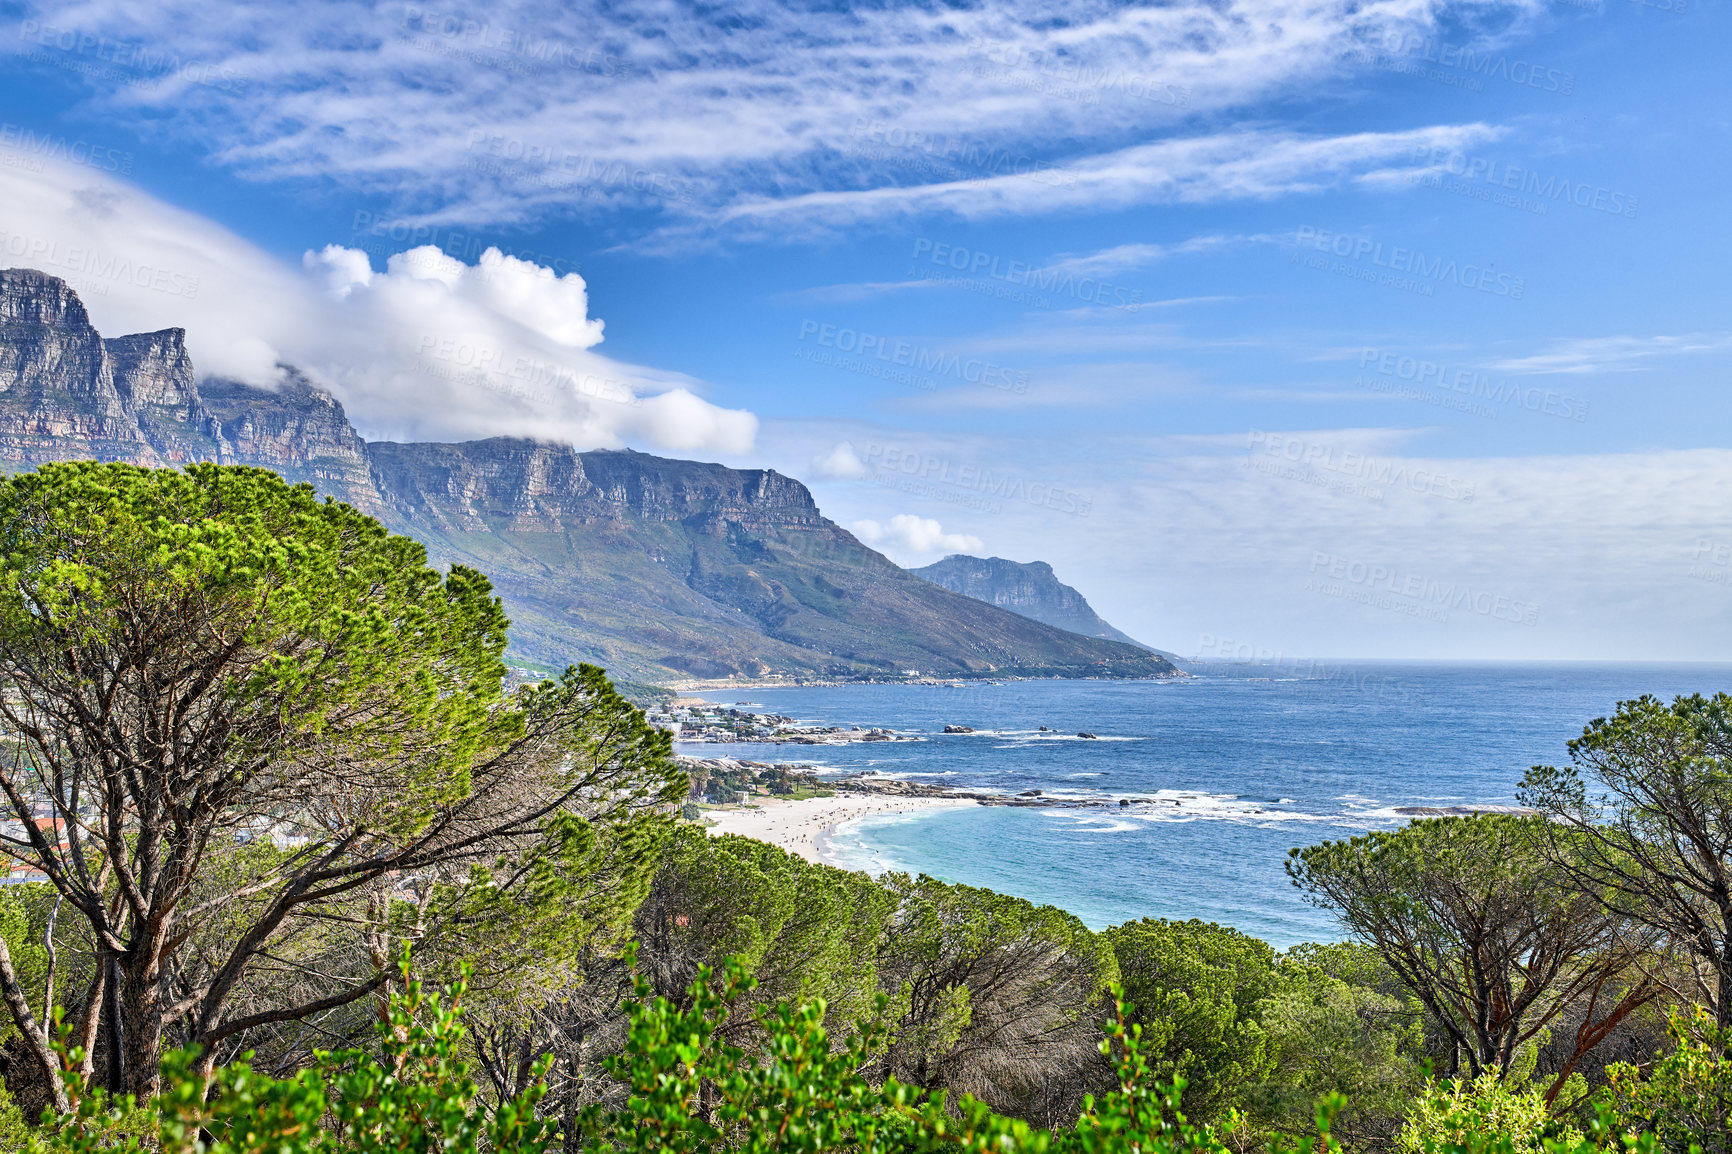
(1723, 990)
(35, 1039)
(571, 1142)
(143, 1033)
(116, 1021)
(90, 1024)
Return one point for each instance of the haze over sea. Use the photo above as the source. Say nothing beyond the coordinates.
(1242, 764)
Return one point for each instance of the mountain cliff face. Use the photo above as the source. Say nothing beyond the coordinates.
(68, 394)
(57, 377)
(1031, 589)
(654, 568)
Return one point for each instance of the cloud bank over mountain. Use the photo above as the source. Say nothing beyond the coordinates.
(429, 348)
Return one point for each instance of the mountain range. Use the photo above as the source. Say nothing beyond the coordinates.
(657, 569)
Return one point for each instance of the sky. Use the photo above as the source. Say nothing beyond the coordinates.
(1282, 329)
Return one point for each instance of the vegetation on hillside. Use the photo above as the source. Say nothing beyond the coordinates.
(268, 788)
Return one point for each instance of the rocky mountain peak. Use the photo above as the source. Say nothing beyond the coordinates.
(153, 368)
(56, 376)
(31, 297)
(1030, 588)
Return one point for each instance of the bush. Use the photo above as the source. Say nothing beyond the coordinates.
(414, 1095)
(1686, 1102)
(691, 1093)
(1459, 1110)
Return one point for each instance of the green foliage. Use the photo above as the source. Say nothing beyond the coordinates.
(1685, 1102)
(340, 615)
(723, 785)
(1198, 990)
(1336, 1026)
(993, 995)
(414, 1096)
(23, 910)
(15, 1133)
(1483, 920)
(1485, 1106)
(804, 932)
(694, 1094)
(1142, 1113)
(690, 1092)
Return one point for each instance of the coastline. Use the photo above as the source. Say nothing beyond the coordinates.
(956, 680)
(803, 827)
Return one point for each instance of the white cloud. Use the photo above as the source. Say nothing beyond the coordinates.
(907, 534)
(1237, 165)
(681, 422)
(1620, 354)
(429, 349)
(1590, 556)
(542, 108)
(840, 464)
(1126, 257)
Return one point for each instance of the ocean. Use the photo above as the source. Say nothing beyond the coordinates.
(1239, 765)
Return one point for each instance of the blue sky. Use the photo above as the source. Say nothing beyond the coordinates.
(1283, 329)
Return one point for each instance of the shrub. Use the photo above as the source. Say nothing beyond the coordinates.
(1461, 1109)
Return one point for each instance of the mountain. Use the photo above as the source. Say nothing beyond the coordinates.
(657, 569)
(1031, 589)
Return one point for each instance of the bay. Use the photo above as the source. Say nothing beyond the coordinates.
(1232, 769)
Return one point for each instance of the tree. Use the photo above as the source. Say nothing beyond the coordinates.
(994, 996)
(1341, 1023)
(255, 741)
(1647, 803)
(1197, 990)
(1492, 938)
(805, 933)
(414, 1094)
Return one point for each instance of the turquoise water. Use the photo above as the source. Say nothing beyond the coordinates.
(1240, 765)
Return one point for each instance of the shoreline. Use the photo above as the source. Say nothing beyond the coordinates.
(804, 827)
(717, 685)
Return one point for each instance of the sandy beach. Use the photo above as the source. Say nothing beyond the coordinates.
(799, 826)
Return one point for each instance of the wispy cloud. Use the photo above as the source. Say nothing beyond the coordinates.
(1609, 546)
(754, 116)
(1129, 257)
(1621, 354)
(1237, 165)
